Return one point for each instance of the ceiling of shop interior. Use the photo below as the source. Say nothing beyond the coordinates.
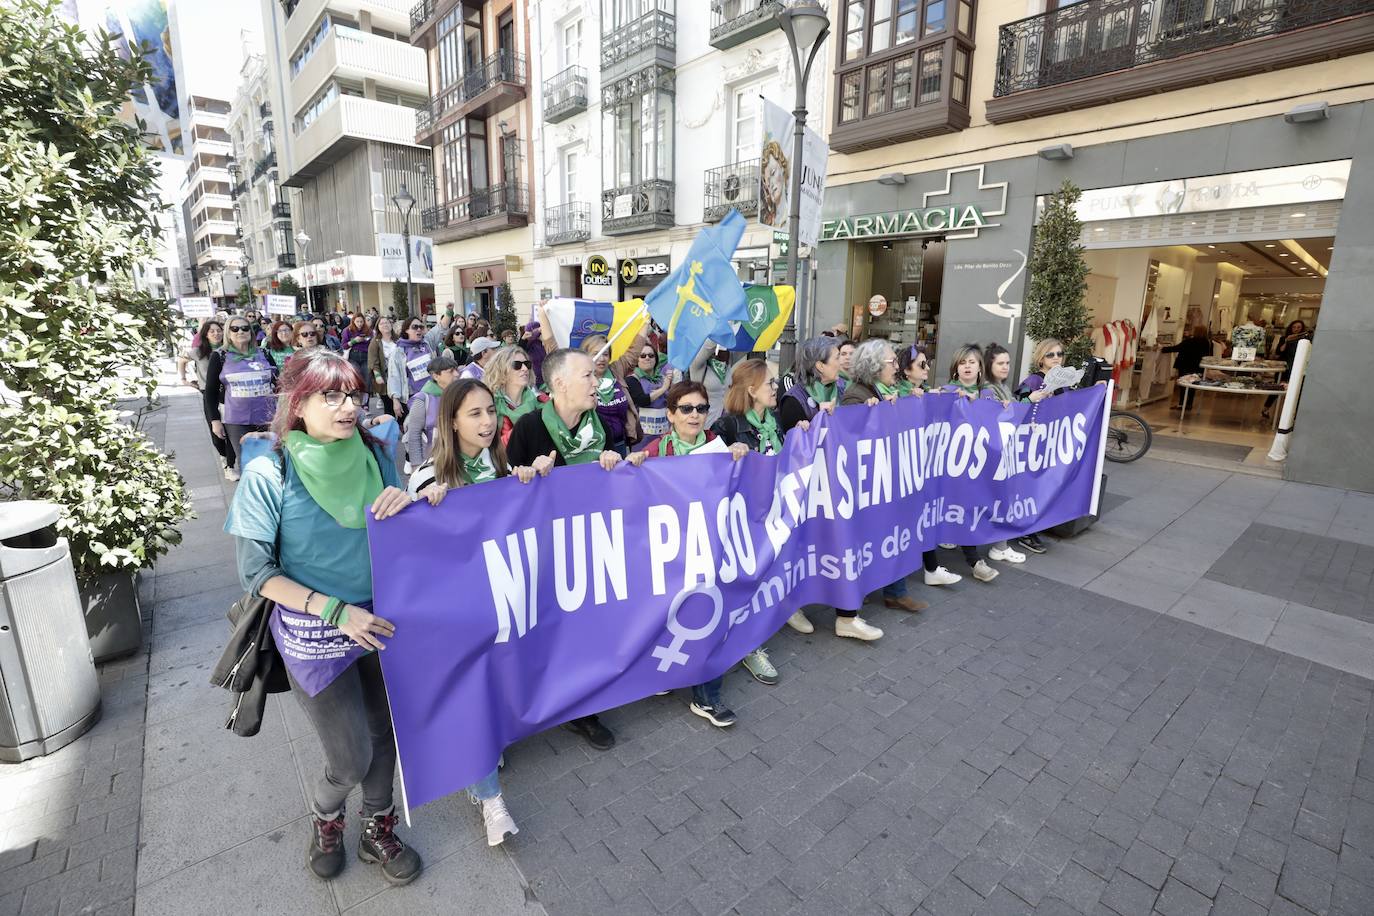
(1265, 260)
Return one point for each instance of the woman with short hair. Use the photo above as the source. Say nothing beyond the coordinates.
(422, 413)
(818, 370)
(913, 370)
(299, 519)
(688, 407)
(305, 335)
(468, 451)
(509, 375)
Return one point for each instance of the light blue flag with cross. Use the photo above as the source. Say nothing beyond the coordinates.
(699, 299)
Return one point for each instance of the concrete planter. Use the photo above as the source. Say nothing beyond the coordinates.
(113, 622)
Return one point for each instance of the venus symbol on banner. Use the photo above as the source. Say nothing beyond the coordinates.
(672, 654)
(1008, 310)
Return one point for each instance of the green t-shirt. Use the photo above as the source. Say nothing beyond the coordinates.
(316, 551)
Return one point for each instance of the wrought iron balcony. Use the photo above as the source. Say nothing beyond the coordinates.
(264, 109)
(281, 210)
(649, 39)
(565, 94)
(733, 22)
(424, 12)
(637, 207)
(1097, 38)
(567, 223)
(501, 206)
(483, 91)
(264, 164)
(734, 186)
(286, 261)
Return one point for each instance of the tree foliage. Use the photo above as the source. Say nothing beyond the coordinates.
(78, 208)
(289, 287)
(245, 295)
(506, 318)
(1055, 304)
(399, 305)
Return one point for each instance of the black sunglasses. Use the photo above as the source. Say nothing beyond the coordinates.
(1053, 353)
(702, 409)
(309, 334)
(518, 364)
(648, 356)
(236, 328)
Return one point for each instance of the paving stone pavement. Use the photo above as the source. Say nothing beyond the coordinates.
(1321, 572)
(1103, 730)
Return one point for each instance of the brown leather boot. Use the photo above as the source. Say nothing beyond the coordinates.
(905, 603)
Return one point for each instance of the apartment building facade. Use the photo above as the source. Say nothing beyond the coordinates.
(478, 125)
(648, 127)
(344, 87)
(1224, 151)
(262, 205)
(209, 204)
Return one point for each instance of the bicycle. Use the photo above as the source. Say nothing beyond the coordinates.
(1128, 436)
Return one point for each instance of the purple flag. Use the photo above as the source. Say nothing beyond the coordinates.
(521, 606)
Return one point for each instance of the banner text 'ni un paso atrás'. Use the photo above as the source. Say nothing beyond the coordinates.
(521, 606)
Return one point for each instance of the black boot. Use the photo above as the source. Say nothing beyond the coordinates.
(591, 729)
(326, 854)
(379, 843)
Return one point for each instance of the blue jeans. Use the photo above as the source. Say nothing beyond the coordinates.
(896, 589)
(488, 787)
(708, 694)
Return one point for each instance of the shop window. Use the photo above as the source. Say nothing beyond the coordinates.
(932, 64)
(855, 15)
(901, 83)
(935, 17)
(849, 96)
(877, 90)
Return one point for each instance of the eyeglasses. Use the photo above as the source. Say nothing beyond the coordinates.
(648, 356)
(336, 398)
(416, 327)
(702, 409)
(1053, 354)
(518, 364)
(309, 334)
(238, 328)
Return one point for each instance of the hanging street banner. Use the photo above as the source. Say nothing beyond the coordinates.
(391, 248)
(775, 173)
(521, 606)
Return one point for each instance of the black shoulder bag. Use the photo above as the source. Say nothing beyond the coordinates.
(250, 667)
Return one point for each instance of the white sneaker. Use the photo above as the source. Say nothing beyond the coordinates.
(800, 623)
(498, 821)
(983, 572)
(856, 628)
(231, 474)
(1006, 555)
(942, 576)
(949, 546)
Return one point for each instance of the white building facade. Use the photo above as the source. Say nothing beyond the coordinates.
(209, 203)
(344, 85)
(649, 128)
(262, 205)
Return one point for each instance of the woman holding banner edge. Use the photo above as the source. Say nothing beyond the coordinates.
(566, 430)
(688, 405)
(299, 523)
(467, 451)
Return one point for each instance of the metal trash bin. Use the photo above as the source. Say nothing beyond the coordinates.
(49, 693)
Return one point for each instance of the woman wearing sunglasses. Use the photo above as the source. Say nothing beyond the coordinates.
(299, 523)
(305, 335)
(1048, 354)
(913, 371)
(409, 369)
(688, 407)
(648, 385)
(240, 381)
(509, 375)
(467, 451)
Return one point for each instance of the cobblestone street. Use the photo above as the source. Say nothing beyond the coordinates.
(1169, 714)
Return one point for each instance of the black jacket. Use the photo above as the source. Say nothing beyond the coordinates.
(1191, 351)
(735, 427)
(529, 439)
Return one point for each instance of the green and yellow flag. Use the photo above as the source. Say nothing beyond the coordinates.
(768, 309)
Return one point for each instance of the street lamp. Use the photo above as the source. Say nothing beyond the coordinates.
(806, 25)
(303, 242)
(405, 202)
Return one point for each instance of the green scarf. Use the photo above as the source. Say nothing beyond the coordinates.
(432, 387)
(685, 448)
(528, 402)
(906, 388)
(718, 368)
(281, 356)
(342, 476)
(605, 394)
(656, 378)
(479, 469)
(821, 393)
(581, 447)
(970, 390)
(887, 391)
(767, 428)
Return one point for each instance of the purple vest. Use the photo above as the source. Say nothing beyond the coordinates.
(248, 396)
(417, 356)
(614, 415)
(431, 418)
(807, 401)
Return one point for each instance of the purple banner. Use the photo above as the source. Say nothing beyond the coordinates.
(521, 606)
